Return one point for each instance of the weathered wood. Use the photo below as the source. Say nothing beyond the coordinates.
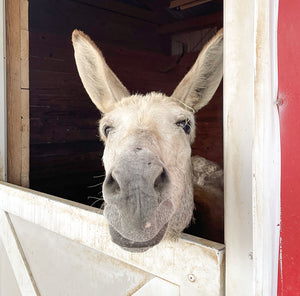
(64, 267)
(252, 148)
(17, 101)
(203, 259)
(25, 128)
(13, 80)
(3, 123)
(24, 66)
(16, 257)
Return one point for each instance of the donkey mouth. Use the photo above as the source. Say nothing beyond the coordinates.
(133, 246)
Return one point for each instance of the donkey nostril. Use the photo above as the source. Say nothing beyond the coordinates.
(111, 184)
(161, 180)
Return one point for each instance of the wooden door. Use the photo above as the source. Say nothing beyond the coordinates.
(52, 246)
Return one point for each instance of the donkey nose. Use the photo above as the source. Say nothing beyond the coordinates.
(111, 185)
(139, 177)
(161, 181)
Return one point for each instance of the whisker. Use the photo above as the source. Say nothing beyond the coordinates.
(96, 185)
(100, 176)
(97, 199)
(94, 197)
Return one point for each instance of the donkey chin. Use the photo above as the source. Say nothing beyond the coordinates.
(140, 221)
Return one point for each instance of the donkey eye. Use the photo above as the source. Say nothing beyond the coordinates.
(185, 125)
(107, 130)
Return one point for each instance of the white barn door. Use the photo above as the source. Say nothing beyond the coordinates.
(57, 247)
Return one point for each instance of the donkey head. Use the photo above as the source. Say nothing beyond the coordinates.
(148, 187)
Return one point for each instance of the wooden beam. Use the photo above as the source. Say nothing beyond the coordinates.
(194, 3)
(19, 264)
(183, 4)
(124, 9)
(3, 132)
(17, 73)
(193, 24)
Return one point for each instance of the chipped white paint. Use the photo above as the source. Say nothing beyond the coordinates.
(266, 153)
(252, 148)
(172, 261)
(3, 159)
(16, 257)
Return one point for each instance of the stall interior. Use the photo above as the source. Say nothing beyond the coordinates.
(149, 44)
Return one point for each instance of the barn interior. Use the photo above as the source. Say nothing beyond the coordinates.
(149, 44)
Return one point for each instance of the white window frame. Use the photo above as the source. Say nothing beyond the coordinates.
(251, 145)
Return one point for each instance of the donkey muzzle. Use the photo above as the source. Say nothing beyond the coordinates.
(136, 195)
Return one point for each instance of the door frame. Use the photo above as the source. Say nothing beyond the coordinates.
(251, 147)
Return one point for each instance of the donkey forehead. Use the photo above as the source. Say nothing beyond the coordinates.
(146, 109)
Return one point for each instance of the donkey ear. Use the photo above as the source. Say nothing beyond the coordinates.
(200, 83)
(101, 84)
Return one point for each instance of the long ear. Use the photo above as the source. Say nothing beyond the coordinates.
(102, 85)
(200, 83)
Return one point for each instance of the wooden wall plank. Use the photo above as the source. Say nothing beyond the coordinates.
(25, 128)
(61, 112)
(64, 16)
(17, 76)
(24, 14)
(13, 78)
(3, 122)
(24, 59)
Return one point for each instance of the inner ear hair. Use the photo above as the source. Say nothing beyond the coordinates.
(199, 85)
(101, 84)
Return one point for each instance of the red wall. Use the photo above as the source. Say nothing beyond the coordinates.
(289, 94)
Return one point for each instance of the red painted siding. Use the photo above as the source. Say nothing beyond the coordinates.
(289, 94)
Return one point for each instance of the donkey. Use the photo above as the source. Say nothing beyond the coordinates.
(148, 187)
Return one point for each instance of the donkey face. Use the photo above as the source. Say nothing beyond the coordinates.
(147, 157)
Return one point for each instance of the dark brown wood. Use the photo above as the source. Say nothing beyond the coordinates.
(65, 148)
(193, 24)
(124, 9)
(186, 3)
(62, 17)
(209, 132)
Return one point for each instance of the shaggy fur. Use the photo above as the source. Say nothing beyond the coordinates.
(148, 187)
